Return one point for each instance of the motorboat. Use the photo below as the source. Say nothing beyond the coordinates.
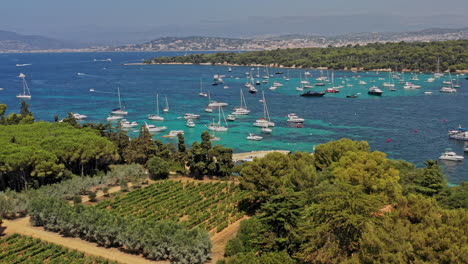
(362, 83)
(450, 155)
(299, 88)
(465, 147)
(374, 90)
(231, 118)
(252, 136)
(208, 109)
(313, 94)
(352, 96)
(331, 90)
(273, 87)
(79, 116)
(252, 89)
(277, 84)
(191, 116)
(427, 93)
(174, 133)
(294, 118)
(447, 90)
(217, 104)
(154, 129)
(319, 84)
(409, 85)
(266, 130)
(190, 123)
(127, 124)
(114, 118)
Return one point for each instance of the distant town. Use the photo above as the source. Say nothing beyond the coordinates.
(199, 43)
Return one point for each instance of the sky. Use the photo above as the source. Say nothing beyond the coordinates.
(64, 17)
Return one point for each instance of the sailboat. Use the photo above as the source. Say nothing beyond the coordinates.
(119, 111)
(265, 121)
(26, 93)
(201, 93)
(166, 109)
(242, 109)
(437, 74)
(390, 81)
(153, 128)
(217, 126)
(156, 117)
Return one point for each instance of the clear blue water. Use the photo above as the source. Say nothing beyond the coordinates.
(416, 124)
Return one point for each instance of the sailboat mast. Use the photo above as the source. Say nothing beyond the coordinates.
(157, 104)
(118, 93)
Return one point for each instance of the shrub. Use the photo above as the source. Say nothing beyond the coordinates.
(92, 196)
(158, 168)
(77, 199)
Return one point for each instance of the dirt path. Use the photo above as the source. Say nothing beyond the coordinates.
(23, 227)
(219, 240)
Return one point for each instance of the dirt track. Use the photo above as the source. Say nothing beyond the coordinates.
(23, 227)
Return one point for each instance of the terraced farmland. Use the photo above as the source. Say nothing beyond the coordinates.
(23, 249)
(212, 206)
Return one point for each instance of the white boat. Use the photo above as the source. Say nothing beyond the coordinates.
(409, 85)
(174, 133)
(22, 65)
(166, 109)
(430, 79)
(266, 130)
(447, 90)
(231, 118)
(188, 116)
(242, 109)
(226, 87)
(252, 89)
(277, 84)
(79, 116)
(465, 148)
(91, 89)
(362, 83)
(215, 103)
(217, 126)
(265, 121)
(114, 118)
(390, 82)
(374, 90)
(126, 124)
(229, 69)
(156, 116)
(450, 155)
(294, 118)
(208, 109)
(119, 111)
(26, 93)
(190, 123)
(273, 87)
(427, 93)
(252, 136)
(201, 93)
(299, 88)
(154, 129)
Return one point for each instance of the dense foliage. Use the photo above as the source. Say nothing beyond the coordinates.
(345, 204)
(211, 206)
(41, 153)
(157, 240)
(414, 56)
(206, 160)
(22, 249)
(14, 203)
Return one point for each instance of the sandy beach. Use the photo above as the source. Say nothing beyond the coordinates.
(255, 154)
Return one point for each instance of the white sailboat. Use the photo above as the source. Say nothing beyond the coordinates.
(119, 111)
(201, 93)
(26, 93)
(156, 116)
(166, 109)
(242, 109)
(265, 121)
(390, 82)
(217, 126)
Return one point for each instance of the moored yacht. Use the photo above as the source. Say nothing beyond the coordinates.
(450, 155)
(252, 136)
(294, 118)
(374, 90)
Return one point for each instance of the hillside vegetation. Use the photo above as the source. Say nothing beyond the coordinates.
(418, 56)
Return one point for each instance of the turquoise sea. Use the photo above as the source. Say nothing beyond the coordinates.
(406, 124)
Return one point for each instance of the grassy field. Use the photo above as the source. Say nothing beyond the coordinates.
(212, 205)
(24, 249)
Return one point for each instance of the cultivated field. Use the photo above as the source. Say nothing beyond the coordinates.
(212, 206)
(23, 249)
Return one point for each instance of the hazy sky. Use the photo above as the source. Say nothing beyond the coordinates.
(39, 15)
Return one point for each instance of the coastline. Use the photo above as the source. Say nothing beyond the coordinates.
(255, 154)
(277, 66)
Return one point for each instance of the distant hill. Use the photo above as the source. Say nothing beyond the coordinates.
(11, 41)
(195, 43)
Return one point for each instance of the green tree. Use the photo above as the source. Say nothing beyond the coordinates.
(158, 168)
(326, 154)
